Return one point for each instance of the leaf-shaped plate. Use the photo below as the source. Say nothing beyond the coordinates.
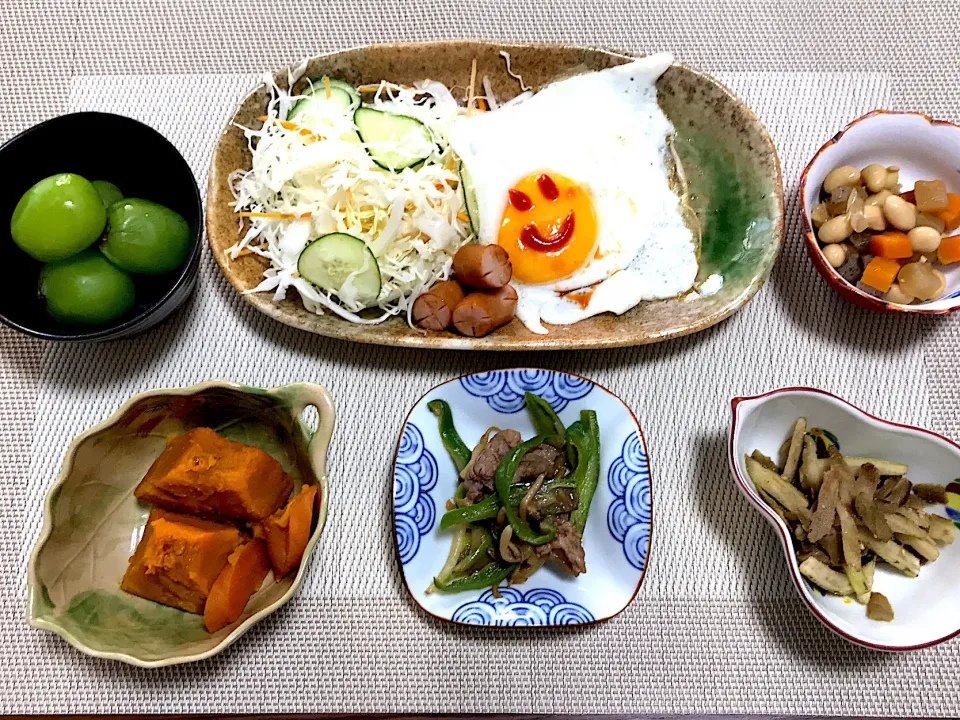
(92, 521)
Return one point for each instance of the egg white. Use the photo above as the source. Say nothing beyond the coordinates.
(605, 131)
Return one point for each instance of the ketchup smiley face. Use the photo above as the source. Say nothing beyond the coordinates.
(549, 228)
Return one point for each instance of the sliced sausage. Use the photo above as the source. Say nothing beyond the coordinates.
(482, 266)
(483, 312)
(433, 310)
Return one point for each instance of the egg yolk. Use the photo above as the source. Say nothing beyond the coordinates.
(549, 228)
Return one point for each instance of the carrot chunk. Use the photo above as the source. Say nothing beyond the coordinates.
(891, 245)
(287, 531)
(240, 578)
(880, 273)
(949, 250)
(951, 216)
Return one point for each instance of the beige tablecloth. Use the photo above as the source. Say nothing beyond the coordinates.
(716, 626)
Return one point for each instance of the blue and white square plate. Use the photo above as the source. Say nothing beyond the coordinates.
(617, 536)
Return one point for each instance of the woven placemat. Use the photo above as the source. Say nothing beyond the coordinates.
(716, 626)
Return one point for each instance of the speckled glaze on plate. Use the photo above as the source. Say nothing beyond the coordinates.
(92, 522)
(730, 162)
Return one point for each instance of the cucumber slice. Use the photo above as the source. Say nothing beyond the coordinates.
(343, 99)
(470, 198)
(379, 127)
(329, 260)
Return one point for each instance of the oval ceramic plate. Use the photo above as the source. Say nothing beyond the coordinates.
(92, 522)
(729, 159)
(617, 535)
(924, 607)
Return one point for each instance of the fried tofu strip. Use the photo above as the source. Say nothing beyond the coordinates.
(879, 608)
(931, 494)
(827, 500)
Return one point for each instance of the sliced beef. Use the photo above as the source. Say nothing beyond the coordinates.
(478, 476)
(566, 548)
(541, 460)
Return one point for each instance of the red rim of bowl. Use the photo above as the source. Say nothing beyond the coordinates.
(786, 541)
(528, 628)
(829, 273)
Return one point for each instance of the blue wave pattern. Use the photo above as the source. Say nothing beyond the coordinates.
(503, 389)
(541, 606)
(628, 517)
(415, 475)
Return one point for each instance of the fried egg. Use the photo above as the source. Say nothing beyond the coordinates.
(573, 183)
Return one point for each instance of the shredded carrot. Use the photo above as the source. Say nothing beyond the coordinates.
(288, 125)
(439, 185)
(326, 85)
(311, 135)
(482, 104)
(463, 217)
(274, 216)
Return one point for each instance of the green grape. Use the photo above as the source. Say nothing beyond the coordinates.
(58, 217)
(86, 289)
(144, 237)
(109, 193)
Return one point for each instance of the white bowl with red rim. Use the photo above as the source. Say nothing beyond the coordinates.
(925, 607)
(923, 149)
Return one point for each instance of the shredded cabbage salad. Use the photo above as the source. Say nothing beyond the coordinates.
(314, 176)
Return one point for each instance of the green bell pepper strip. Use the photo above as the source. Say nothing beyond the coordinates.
(475, 555)
(545, 420)
(584, 435)
(506, 471)
(486, 577)
(459, 452)
(490, 505)
(547, 423)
